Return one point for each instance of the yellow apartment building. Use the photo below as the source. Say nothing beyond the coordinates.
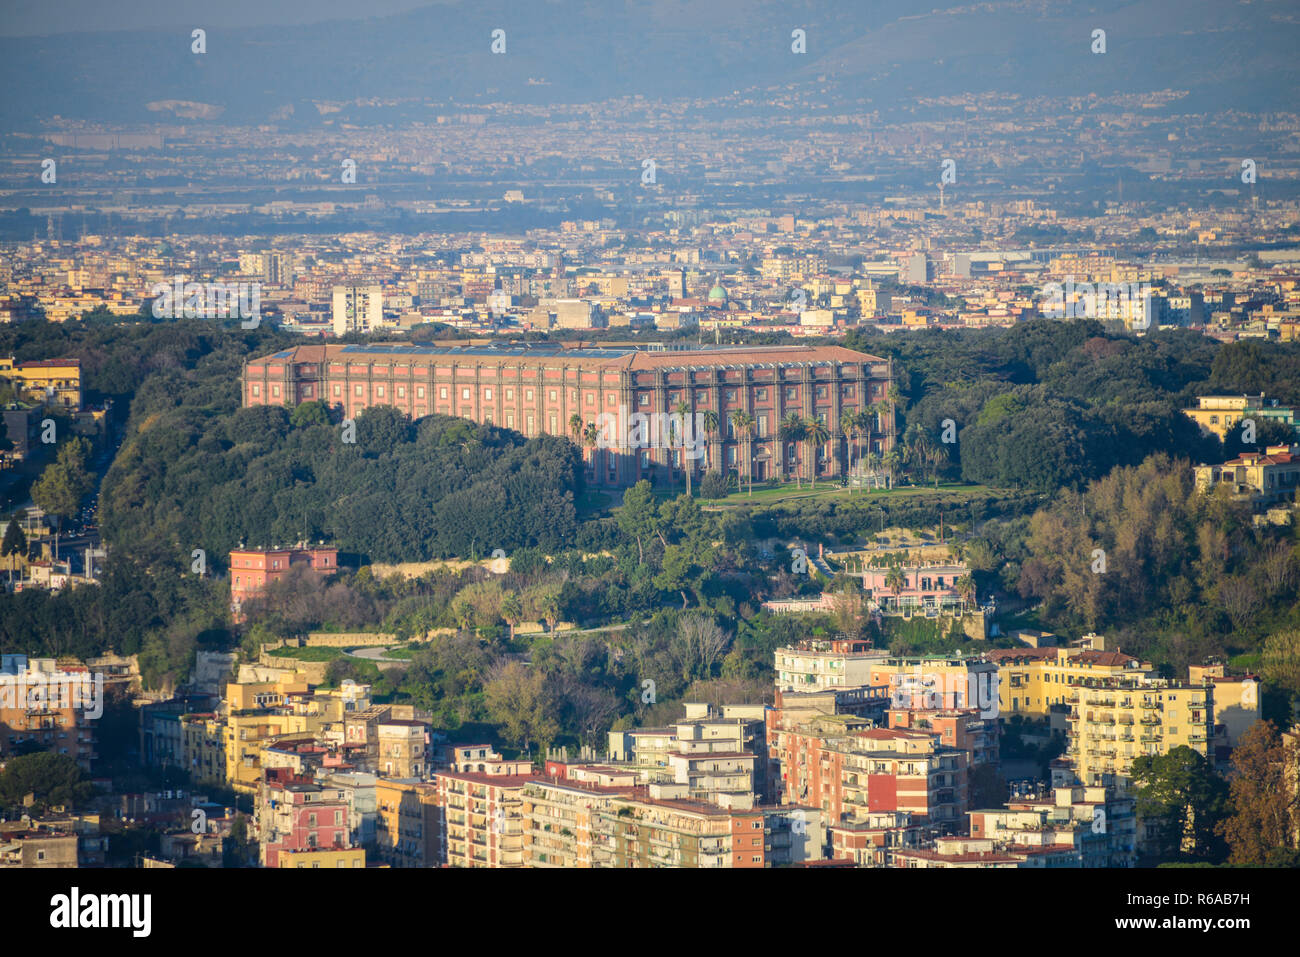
(55, 382)
(38, 847)
(1031, 680)
(559, 821)
(1219, 414)
(407, 829)
(324, 858)
(1236, 699)
(655, 832)
(250, 696)
(1270, 476)
(203, 747)
(403, 748)
(1121, 719)
(249, 733)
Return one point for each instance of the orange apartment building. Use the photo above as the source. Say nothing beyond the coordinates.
(481, 818)
(48, 707)
(850, 771)
(960, 728)
(252, 569)
(536, 390)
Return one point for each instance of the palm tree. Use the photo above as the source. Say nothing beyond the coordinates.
(861, 429)
(938, 458)
(683, 410)
(895, 580)
(893, 399)
(512, 611)
(591, 436)
(743, 423)
(849, 426)
(549, 606)
(918, 450)
(864, 419)
(793, 429)
(966, 588)
(891, 460)
(575, 427)
(817, 435)
(710, 429)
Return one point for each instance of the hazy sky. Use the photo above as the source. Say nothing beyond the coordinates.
(39, 17)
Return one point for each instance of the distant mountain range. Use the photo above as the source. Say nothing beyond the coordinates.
(1226, 54)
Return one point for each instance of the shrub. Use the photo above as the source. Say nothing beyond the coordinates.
(715, 485)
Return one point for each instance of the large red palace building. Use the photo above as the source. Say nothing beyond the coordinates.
(539, 389)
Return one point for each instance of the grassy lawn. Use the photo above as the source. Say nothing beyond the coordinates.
(593, 502)
(774, 495)
(307, 654)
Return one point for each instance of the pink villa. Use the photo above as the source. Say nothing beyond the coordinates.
(927, 589)
(295, 814)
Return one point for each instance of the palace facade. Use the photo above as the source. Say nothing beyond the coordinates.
(551, 389)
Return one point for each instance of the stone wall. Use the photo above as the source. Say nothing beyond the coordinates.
(354, 639)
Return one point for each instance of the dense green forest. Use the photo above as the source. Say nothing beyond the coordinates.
(1046, 405)
(193, 476)
(1072, 436)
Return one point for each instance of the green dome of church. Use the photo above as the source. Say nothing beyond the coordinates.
(717, 294)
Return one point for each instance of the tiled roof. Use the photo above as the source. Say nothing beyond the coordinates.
(620, 358)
